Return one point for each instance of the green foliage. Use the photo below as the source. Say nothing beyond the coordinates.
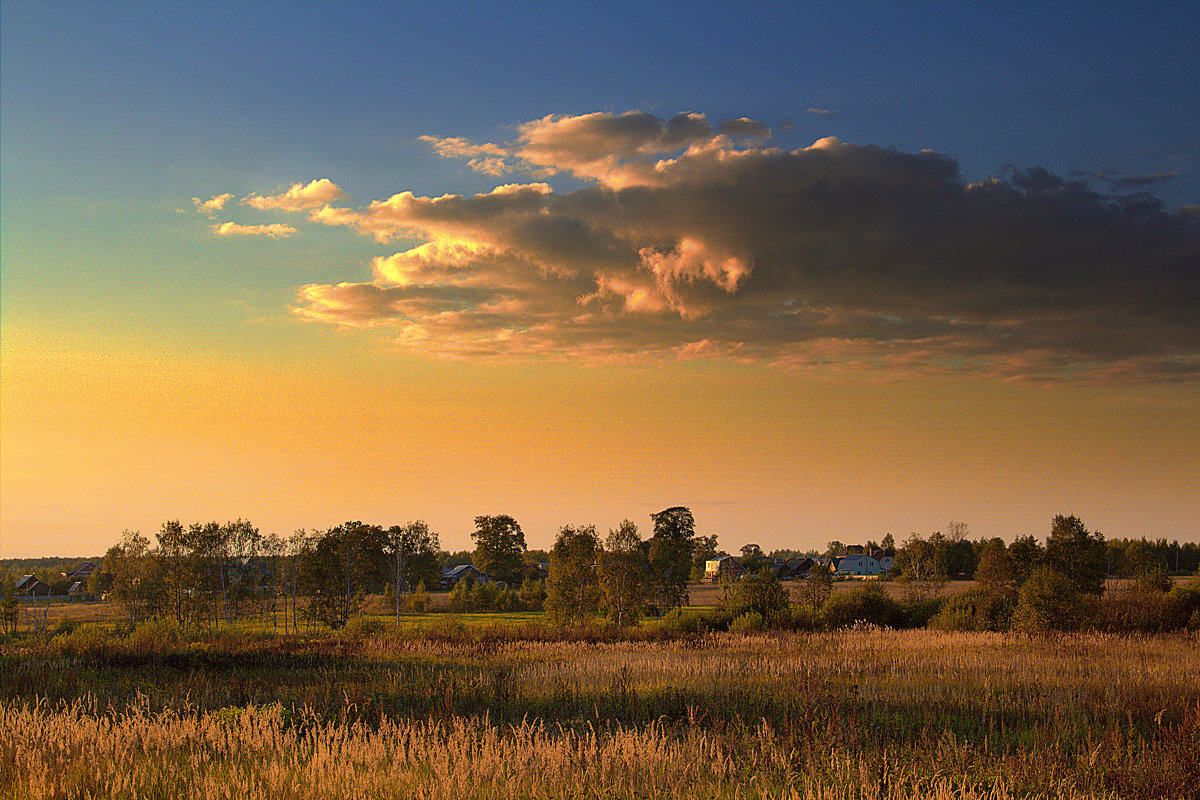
(157, 636)
(670, 558)
(1048, 602)
(623, 569)
(975, 609)
(917, 610)
(363, 626)
(533, 594)
(995, 571)
(418, 600)
(867, 603)
(816, 588)
(468, 597)
(499, 543)
(761, 594)
(1075, 552)
(749, 622)
(572, 587)
(1025, 555)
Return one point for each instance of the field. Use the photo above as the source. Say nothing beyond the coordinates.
(468, 709)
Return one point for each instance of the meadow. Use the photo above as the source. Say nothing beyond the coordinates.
(460, 708)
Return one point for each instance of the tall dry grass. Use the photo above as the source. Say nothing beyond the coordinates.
(860, 714)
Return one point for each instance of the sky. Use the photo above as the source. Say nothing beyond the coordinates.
(817, 271)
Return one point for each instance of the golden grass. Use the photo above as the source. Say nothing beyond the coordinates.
(847, 714)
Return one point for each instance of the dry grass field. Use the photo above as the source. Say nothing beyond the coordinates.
(474, 713)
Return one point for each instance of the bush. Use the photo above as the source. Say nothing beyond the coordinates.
(917, 610)
(157, 635)
(363, 627)
(679, 621)
(975, 609)
(90, 637)
(750, 622)
(868, 603)
(417, 600)
(1049, 601)
(533, 594)
(761, 594)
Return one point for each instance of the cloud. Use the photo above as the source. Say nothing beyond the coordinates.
(212, 204)
(1116, 178)
(837, 258)
(824, 112)
(744, 126)
(274, 230)
(298, 197)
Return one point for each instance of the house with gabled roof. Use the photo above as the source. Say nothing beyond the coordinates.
(30, 585)
(452, 576)
(726, 567)
(82, 572)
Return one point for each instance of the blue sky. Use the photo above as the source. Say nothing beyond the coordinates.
(115, 116)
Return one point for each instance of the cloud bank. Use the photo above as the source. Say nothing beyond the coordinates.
(695, 241)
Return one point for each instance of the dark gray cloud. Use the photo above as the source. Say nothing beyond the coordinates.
(837, 258)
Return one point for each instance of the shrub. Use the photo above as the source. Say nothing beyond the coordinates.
(90, 637)
(975, 609)
(679, 621)
(917, 609)
(750, 622)
(868, 603)
(533, 594)
(363, 627)
(761, 594)
(157, 635)
(1049, 601)
(417, 600)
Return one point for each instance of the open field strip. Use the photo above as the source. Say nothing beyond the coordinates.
(845, 714)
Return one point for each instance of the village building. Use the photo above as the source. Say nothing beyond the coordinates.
(30, 585)
(452, 576)
(726, 567)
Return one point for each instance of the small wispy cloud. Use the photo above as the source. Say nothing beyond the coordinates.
(298, 197)
(1116, 178)
(213, 204)
(824, 112)
(274, 230)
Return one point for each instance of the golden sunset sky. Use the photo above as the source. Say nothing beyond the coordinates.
(817, 272)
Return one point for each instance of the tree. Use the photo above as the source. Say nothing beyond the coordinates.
(888, 543)
(760, 593)
(572, 587)
(338, 567)
(670, 557)
(499, 543)
(920, 565)
(1025, 555)
(135, 579)
(995, 573)
(1143, 565)
(752, 554)
(834, 548)
(622, 570)
(413, 549)
(1049, 601)
(1077, 553)
(816, 588)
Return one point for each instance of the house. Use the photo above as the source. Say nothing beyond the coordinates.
(30, 585)
(82, 572)
(725, 567)
(78, 591)
(886, 559)
(451, 577)
(859, 564)
(800, 567)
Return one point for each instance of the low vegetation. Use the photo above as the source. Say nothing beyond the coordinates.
(509, 711)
